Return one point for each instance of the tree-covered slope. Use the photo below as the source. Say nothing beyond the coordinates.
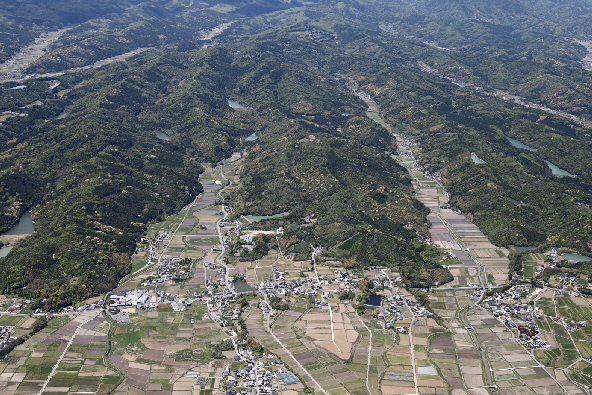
(96, 178)
(100, 175)
(99, 30)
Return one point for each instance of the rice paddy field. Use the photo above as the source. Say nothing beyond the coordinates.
(330, 347)
(82, 367)
(157, 348)
(513, 369)
(569, 348)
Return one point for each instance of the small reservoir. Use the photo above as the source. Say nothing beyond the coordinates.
(576, 258)
(557, 171)
(257, 218)
(25, 226)
(5, 250)
(476, 159)
(375, 300)
(252, 137)
(61, 116)
(514, 201)
(234, 104)
(163, 136)
(241, 286)
(518, 144)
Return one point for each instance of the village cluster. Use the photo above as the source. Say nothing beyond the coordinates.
(6, 334)
(517, 315)
(511, 308)
(391, 309)
(324, 287)
(261, 374)
(221, 307)
(153, 243)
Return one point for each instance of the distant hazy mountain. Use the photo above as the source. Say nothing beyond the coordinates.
(550, 16)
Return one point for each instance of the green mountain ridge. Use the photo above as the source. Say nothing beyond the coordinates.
(95, 179)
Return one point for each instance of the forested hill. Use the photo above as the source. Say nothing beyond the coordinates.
(100, 175)
(95, 179)
(566, 18)
(100, 29)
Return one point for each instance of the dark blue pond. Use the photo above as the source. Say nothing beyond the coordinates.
(374, 300)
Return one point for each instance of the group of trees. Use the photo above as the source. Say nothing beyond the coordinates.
(278, 304)
(513, 196)
(217, 349)
(347, 295)
(97, 178)
(39, 324)
(259, 249)
(342, 191)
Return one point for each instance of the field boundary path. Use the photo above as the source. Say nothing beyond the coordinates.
(86, 318)
(370, 355)
(294, 359)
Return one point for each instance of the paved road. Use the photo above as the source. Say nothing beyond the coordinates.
(412, 348)
(294, 359)
(219, 258)
(462, 317)
(369, 356)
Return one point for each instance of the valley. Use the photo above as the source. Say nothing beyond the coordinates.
(284, 197)
(13, 68)
(180, 300)
(460, 303)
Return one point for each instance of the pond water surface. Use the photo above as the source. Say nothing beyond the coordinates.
(557, 171)
(374, 300)
(163, 136)
(514, 201)
(241, 286)
(25, 226)
(517, 143)
(576, 258)
(235, 104)
(256, 218)
(476, 159)
(252, 137)
(5, 250)
(61, 116)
